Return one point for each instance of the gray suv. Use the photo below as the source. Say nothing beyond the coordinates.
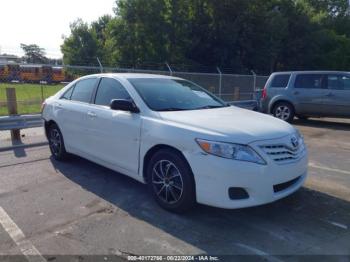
(307, 93)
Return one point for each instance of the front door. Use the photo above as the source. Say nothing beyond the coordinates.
(337, 100)
(114, 136)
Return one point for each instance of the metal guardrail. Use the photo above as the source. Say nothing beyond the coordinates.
(20, 122)
(30, 121)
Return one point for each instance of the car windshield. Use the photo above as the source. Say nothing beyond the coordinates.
(162, 94)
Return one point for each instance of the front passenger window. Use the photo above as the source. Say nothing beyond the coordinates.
(345, 79)
(108, 90)
(339, 82)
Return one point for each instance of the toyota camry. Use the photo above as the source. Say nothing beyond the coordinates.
(185, 143)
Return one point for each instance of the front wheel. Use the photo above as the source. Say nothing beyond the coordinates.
(171, 182)
(283, 111)
(56, 143)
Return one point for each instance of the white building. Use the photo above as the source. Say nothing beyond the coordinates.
(5, 59)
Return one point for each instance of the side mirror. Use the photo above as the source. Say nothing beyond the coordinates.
(124, 105)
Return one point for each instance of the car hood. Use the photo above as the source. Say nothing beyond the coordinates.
(230, 124)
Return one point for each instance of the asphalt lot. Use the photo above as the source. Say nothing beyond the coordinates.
(80, 208)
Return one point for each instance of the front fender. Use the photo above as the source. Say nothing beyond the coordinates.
(159, 132)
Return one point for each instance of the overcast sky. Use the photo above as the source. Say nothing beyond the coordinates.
(43, 22)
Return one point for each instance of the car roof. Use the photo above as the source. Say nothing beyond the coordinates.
(310, 72)
(131, 75)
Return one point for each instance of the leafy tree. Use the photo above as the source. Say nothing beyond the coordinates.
(99, 28)
(82, 46)
(242, 35)
(34, 54)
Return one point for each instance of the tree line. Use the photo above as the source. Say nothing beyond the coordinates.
(34, 54)
(234, 35)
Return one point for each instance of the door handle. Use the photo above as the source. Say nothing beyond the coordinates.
(296, 93)
(91, 114)
(330, 94)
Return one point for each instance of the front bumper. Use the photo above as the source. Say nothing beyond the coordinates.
(214, 176)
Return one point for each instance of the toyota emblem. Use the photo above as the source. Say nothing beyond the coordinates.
(295, 142)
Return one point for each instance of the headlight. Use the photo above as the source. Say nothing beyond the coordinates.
(231, 151)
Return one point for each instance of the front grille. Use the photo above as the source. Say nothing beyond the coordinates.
(282, 153)
(283, 186)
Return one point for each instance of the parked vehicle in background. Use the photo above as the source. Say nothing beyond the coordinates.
(31, 73)
(185, 143)
(59, 75)
(9, 72)
(35, 73)
(307, 94)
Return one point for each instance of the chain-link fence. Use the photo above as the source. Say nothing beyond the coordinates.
(34, 83)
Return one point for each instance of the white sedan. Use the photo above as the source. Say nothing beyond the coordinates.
(185, 143)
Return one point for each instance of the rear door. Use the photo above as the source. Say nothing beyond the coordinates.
(72, 110)
(309, 93)
(337, 100)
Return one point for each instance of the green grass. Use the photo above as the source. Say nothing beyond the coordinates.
(30, 93)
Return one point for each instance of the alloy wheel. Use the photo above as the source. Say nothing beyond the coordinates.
(167, 181)
(55, 141)
(283, 112)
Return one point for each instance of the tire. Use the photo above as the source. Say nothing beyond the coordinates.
(171, 181)
(56, 143)
(284, 111)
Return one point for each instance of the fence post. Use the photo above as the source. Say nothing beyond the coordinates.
(99, 62)
(42, 93)
(236, 93)
(169, 68)
(254, 84)
(220, 81)
(12, 110)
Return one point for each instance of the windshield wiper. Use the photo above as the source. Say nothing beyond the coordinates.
(172, 109)
(209, 107)
(196, 108)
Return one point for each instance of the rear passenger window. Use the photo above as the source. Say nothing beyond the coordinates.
(67, 95)
(83, 90)
(108, 90)
(280, 80)
(310, 81)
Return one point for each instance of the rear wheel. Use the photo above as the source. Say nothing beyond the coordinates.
(283, 111)
(56, 143)
(171, 181)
